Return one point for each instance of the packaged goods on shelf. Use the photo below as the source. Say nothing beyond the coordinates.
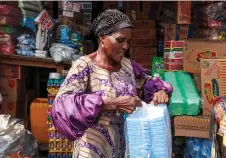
(58, 144)
(173, 55)
(185, 99)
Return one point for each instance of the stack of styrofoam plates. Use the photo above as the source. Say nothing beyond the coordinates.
(148, 132)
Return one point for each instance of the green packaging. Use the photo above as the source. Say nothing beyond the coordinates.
(157, 67)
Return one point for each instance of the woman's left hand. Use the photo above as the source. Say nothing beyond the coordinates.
(160, 97)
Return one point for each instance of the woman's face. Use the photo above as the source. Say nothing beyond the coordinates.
(116, 44)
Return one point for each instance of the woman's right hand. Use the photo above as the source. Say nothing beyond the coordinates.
(127, 104)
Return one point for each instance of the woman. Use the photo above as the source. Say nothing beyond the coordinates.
(99, 88)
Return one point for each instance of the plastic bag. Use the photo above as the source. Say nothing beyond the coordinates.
(26, 47)
(61, 52)
(148, 132)
(25, 52)
(15, 138)
(198, 148)
(10, 11)
(26, 40)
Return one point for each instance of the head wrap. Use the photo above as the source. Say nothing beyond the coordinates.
(109, 21)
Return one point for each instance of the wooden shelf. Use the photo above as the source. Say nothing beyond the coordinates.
(32, 61)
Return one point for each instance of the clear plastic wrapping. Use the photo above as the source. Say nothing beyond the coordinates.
(15, 138)
(198, 148)
(148, 132)
(185, 99)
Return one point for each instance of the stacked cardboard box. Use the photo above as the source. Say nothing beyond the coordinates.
(143, 43)
(13, 90)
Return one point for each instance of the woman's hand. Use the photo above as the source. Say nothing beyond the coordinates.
(160, 97)
(128, 104)
(125, 104)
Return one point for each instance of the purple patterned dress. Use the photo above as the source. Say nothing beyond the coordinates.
(76, 110)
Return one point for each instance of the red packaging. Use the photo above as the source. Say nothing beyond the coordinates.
(6, 39)
(8, 20)
(10, 11)
(8, 49)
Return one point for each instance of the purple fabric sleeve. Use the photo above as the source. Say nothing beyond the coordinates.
(72, 114)
(151, 85)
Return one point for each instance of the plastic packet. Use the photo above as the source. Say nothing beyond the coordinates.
(6, 39)
(8, 49)
(8, 20)
(26, 47)
(14, 138)
(10, 11)
(9, 30)
(26, 52)
(26, 39)
(148, 132)
(29, 23)
(157, 67)
(198, 148)
(185, 99)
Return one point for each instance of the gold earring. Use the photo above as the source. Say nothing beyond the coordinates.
(102, 45)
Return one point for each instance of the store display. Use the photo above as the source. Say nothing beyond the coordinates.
(61, 52)
(195, 50)
(213, 82)
(59, 146)
(185, 99)
(173, 55)
(26, 45)
(148, 132)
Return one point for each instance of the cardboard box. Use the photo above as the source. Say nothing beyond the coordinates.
(173, 55)
(194, 50)
(143, 42)
(188, 126)
(183, 12)
(213, 80)
(178, 32)
(12, 89)
(144, 33)
(10, 71)
(197, 79)
(139, 51)
(144, 24)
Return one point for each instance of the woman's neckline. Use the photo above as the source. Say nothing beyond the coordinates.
(105, 68)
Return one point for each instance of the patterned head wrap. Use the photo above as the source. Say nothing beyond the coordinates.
(109, 21)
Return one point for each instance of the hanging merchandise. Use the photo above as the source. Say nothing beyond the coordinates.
(185, 99)
(148, 132)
